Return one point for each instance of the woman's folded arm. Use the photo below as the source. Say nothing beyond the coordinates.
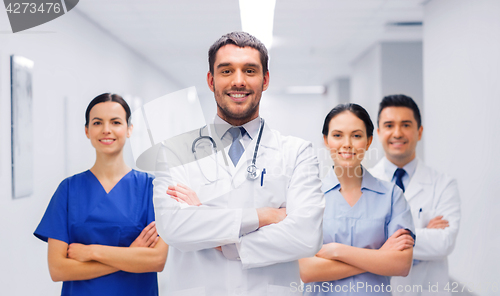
(62, 268)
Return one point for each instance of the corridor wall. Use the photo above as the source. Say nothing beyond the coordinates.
(386, 68)
(462, 101)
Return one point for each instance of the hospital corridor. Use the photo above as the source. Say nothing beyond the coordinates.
(251, 117)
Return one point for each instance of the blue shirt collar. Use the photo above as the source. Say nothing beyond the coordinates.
(331, 182)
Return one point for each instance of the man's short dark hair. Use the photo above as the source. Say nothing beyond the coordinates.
(400, 101)
(241, 39)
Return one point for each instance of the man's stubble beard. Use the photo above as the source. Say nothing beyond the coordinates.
(246, 116)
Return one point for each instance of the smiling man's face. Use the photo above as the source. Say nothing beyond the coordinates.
(399, 134)
(238, 82)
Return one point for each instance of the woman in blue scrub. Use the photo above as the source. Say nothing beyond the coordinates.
(367, 224)
(99, 224)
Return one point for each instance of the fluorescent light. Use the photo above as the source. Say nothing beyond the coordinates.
(305, 90)
(257, 18)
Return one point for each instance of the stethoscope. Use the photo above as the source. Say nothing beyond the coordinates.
(252, 169)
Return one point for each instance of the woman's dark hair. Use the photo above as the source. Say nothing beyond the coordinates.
(400, 101)
(108, 97)
(355, 109)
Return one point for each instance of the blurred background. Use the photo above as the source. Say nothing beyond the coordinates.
(443, 53)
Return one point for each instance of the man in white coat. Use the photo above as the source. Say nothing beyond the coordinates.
(433, 197)
(227, 229)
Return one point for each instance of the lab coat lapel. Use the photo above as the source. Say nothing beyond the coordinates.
(221, 155)
(224, 169)
(419, 180)
(378, 171)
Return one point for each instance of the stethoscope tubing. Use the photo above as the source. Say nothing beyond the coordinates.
(251, 169)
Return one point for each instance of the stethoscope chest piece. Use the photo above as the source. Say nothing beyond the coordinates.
(252, 172)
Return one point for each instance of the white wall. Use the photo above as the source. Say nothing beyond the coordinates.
(462, 101)
(339, 90)
(386, 68)
(366, 90)
(300, 116)
(366, 79)
(402, 73)
(402, 70)
(74, 60)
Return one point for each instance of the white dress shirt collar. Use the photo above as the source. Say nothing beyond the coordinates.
(251, 127)
(390, 168)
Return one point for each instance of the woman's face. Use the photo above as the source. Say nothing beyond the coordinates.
(347, 140)
(108, 129)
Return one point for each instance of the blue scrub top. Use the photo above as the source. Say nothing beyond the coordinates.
(380, 211)
(81, 211)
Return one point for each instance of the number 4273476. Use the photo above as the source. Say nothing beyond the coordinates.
(33, 8)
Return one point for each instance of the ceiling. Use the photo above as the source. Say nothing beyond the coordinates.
(315, 41)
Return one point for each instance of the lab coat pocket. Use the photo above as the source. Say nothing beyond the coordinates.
(200, 291)
(423, 219)
(421, 216)
(270, 191)
(274, 290)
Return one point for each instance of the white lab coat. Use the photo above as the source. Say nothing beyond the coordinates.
(267, 263)
(436, 194)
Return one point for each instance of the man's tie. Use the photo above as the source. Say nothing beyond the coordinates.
(236, 149)
(399, 173)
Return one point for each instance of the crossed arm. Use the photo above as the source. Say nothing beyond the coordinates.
(192, 228)
(337, 261)
(437, 239)
(334, 261)
(75, 262)
(184, 194)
